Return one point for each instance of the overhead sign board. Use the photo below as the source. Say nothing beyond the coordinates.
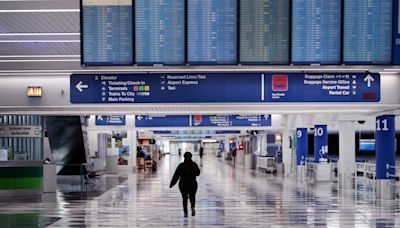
(162, 121)
(323, 87)
(225, 88)
(206, 132)
(165, 88)
(231, 120)
(114, 120)
(8, 131)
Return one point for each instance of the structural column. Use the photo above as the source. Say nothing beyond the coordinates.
(320, 143)
(301, 152)
(385, 156)
(347, 154)
(321, 166)
(132, 136)
(287, 155)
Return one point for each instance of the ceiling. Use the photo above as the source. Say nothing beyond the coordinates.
(36, 32)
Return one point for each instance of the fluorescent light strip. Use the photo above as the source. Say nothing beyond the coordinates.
(41, 34)
(41, 11)
(40, 41)
(39, 60)
(35, 74)
(40, 56)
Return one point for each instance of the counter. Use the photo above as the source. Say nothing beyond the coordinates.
(21, 178)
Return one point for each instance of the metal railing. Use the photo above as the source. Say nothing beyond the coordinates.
(310, 170)
(366, 172)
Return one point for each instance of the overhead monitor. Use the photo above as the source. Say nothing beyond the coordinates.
(212, 31)
(367, 31)
(106, 27)
(396, 33)
(316, 31)
(264, 31)
(367, 144)
(160, 32)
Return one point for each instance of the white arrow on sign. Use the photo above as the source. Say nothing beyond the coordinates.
(100, 118)
(369, 79)
(139, 117)
(80, 86)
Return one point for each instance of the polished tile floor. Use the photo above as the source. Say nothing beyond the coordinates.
(227, 197)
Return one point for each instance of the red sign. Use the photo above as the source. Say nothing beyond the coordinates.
(280, 83)
(241, 147)
(197, 118)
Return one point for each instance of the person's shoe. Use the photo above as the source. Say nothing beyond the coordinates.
(185, 215)
(193, 212)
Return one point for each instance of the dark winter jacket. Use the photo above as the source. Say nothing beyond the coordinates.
(186, 172)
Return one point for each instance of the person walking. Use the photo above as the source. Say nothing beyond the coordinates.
(201, 152)
(186, 173)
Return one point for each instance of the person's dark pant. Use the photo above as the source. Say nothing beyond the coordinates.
(188, 191)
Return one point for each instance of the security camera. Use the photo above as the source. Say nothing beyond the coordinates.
(361, 121)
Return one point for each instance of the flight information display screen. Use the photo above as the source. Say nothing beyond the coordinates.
(367, 31)
(212, 31)
(264, 31)
(316, 31)
(160, 31)
(107, 32)
(396, 33)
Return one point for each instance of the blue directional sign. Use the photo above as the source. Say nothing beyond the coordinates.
(225, 87)
(162, 121)
(166, 88)
(385, 147)
(231, 120)
(302, 146)
(396, 33)
(110, 120)
(320, 142)
(206, 132)
(322, 87)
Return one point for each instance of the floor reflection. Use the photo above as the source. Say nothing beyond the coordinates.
(227, 196)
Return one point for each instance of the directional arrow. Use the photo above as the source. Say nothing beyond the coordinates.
(369, 79)
(139, 117)
(100, 118)
(80, 86)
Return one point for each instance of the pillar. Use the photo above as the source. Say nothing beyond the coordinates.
(347, 154)
(302, 146)
(320, 142)
(301, 153)
(385, 156)
(321, 165)
(287, 156)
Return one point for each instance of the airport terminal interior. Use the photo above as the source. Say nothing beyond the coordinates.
(288, 108)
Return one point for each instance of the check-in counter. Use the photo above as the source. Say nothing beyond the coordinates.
(21, 178)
